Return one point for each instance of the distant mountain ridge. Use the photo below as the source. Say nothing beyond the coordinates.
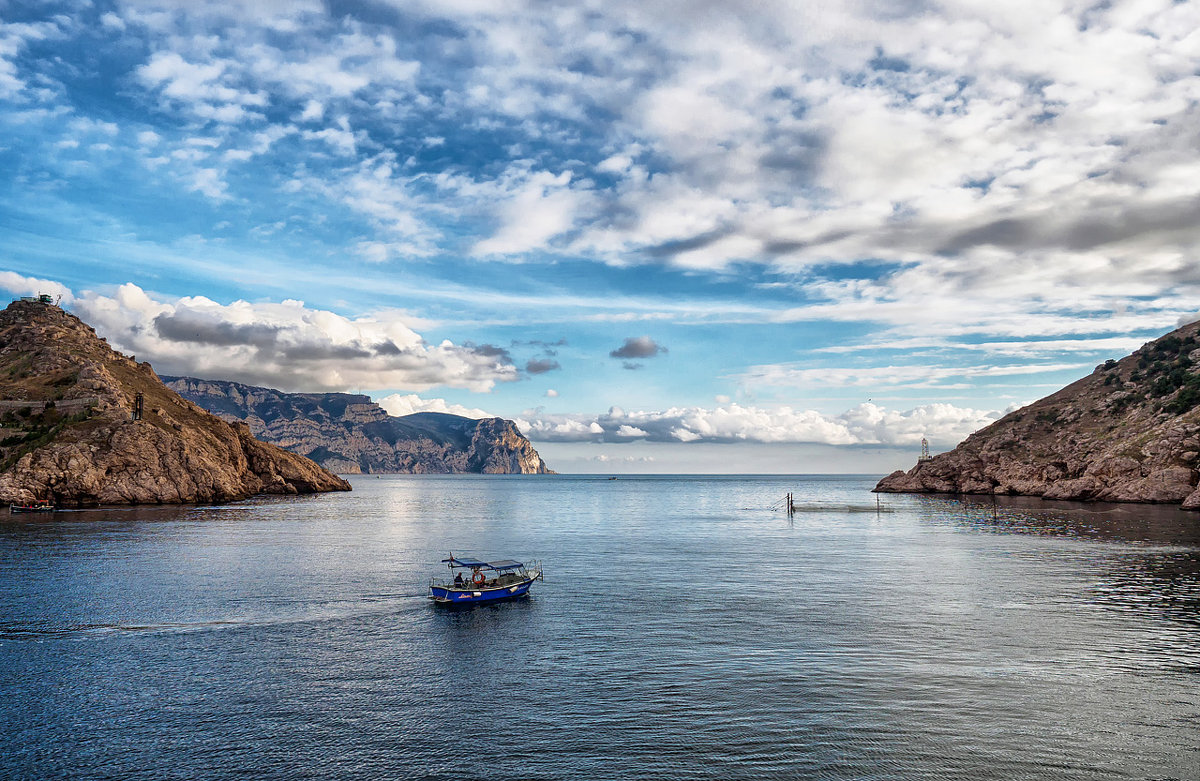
(351, 434)
(1129, 432)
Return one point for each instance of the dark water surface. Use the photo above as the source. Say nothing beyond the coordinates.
(684, 631)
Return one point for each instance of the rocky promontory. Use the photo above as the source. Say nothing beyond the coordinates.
(81, 424)
(350, 434)
(1128, 432)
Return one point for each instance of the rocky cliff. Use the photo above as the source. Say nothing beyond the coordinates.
(1129, 432)
(349, 433)
(69, 431)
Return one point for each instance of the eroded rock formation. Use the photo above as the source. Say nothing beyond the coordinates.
(1129, 432)
(70, 433)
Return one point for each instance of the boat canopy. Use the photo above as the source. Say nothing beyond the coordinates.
(498, 566)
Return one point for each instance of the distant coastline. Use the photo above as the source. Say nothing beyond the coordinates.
(350, 434)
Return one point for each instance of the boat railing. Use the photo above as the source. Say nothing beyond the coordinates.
(531, 571)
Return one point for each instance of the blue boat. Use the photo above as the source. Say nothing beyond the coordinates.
(488, 581)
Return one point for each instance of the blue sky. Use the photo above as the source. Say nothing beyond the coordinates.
(677, 236)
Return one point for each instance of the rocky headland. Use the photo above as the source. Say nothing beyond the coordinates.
(1128, 432)
(350, 434)
(82, 424)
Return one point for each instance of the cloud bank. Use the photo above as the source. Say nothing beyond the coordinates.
(285, 345)
(938, 194)
(292, 347)
(1056, 141)
(866, 424)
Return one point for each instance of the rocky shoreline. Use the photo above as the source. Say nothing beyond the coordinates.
(1129, 432)
(82, 425)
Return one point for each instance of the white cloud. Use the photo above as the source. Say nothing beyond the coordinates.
(13, 38)
(867, 424)
(398, 405)
(1033, 348)
(378, 189)
(828, 134)
(32, 286)
(908, 376)
(561, 428)
(164, 15)
(342, 141)
(284, 345)
(201, 88)
(336, 67)
(1018, 170)
(209, 182)
(534, 211)
(313, 110)
(111, 21)
(86, 126)
(842, 133)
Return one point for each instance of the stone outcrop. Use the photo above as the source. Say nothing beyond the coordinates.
(350, 434)
(70, 433)
(1129, 432)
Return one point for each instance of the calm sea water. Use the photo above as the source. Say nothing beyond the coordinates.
(684, 631)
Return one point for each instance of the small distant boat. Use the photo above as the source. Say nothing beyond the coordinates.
(488, 581)
(32, 507)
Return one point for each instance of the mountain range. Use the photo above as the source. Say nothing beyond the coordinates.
(351, 434)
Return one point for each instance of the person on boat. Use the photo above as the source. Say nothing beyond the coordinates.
(458, 581)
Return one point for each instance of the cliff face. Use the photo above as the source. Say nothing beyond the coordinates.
(1129, 432)
(498, 448)
(349, 433)
(67, 404)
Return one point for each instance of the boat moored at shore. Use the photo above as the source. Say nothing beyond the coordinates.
(32, 507)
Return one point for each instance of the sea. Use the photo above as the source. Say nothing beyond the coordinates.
(687, 627)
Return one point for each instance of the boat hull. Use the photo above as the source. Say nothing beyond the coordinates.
(473, 596)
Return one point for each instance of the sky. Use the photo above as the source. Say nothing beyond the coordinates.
(679, 236)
